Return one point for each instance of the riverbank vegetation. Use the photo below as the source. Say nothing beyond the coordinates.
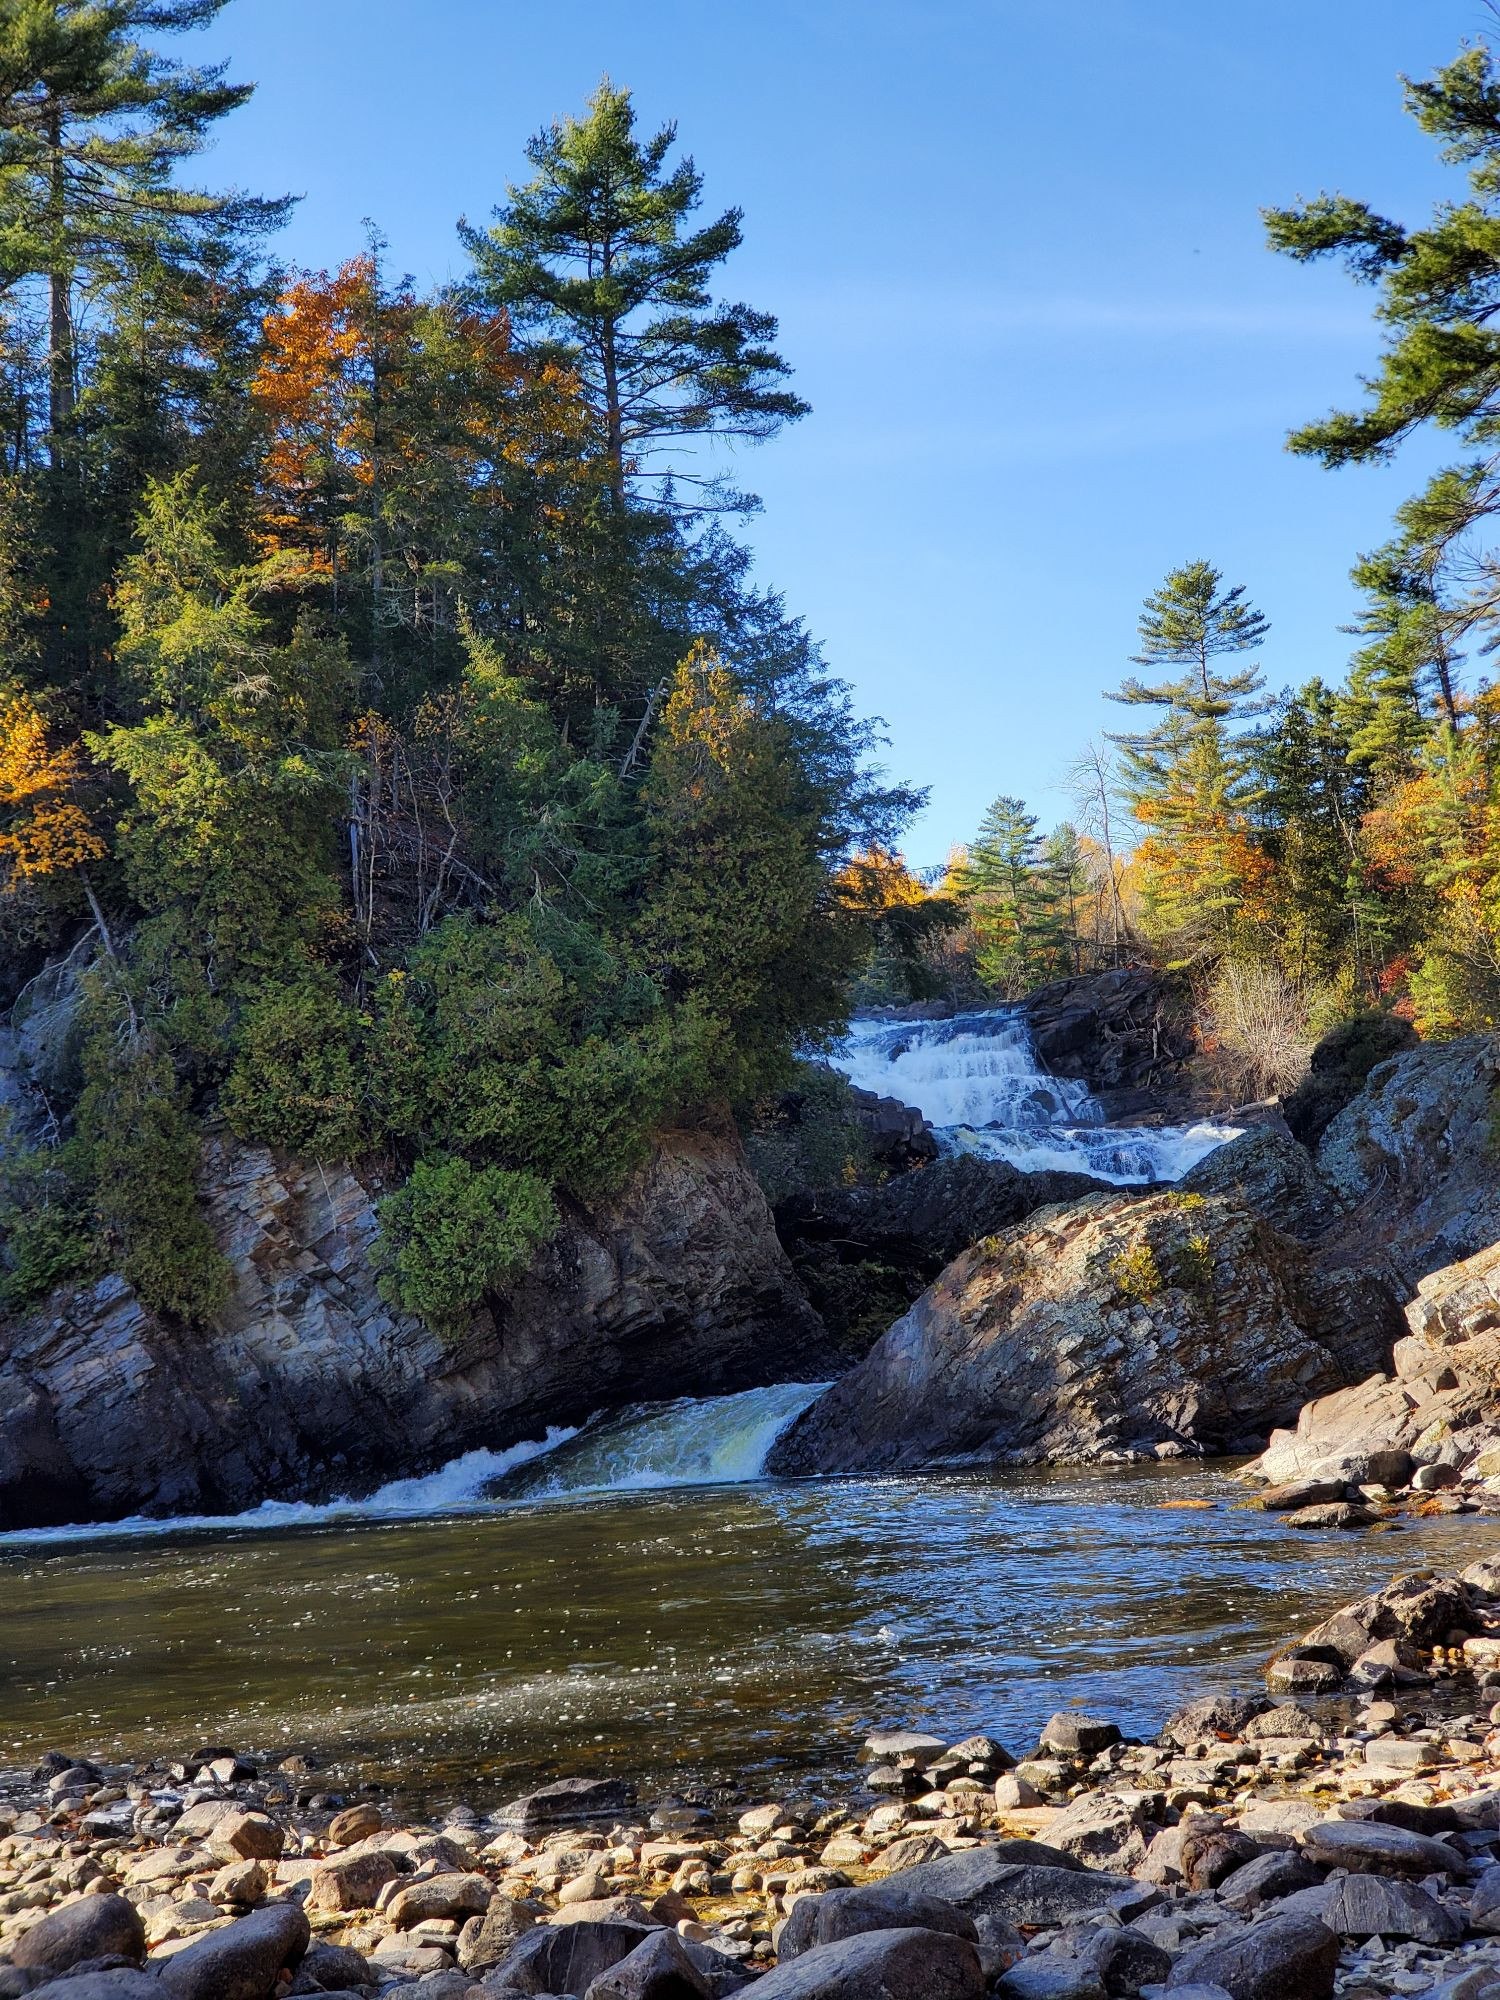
(392, 736)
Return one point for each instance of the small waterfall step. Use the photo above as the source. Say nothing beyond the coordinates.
(978, 1080)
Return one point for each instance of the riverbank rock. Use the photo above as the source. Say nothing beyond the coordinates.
(1437, 1413)
(864, 1254)
(1122, 1326)
(1412, 1160)
(311, 1384)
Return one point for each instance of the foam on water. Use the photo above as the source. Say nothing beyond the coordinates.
(978, 1079)
(461, 1486)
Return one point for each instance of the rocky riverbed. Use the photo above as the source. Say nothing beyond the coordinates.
(1339, 1835)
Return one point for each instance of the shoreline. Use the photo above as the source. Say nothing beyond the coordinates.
(1061, 1867)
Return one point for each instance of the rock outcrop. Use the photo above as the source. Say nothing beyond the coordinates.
(1413, 1160)
(1122, 1326)
(864, 1254)
(1125, 1033)
(1440, 1405)
(312, 1384)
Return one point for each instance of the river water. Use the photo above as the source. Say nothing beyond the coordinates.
(638, 1599)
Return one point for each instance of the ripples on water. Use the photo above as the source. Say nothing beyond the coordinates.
(742, 1630)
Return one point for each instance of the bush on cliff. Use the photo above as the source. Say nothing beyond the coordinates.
(454, 1233)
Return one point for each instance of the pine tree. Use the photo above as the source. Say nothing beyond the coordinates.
(595, 261)
(94, 123)
(1000, 881)
(1189, 778)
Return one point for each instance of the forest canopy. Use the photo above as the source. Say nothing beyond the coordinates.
(394, 742)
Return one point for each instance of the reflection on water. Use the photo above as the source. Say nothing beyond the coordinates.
(673, 1635)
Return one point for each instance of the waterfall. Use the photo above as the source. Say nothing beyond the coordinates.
(977, 1078)
(716, 1441)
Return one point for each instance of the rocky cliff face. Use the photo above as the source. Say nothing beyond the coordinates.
(1122, 1326)
(313, 1385)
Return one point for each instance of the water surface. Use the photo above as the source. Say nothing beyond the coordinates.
(747, 1633)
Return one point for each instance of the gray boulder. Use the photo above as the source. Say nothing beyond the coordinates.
(119, 1983)
(1109, 1328)
(1364, 1906)
(1279, 1958)
(244, 1961)
(659, 1968)
(565, 1958)
(93, 1927)
(880, 1965)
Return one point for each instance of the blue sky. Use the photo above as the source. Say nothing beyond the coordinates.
(1016, 254)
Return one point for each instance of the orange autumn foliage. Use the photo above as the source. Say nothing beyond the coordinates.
(43, 828)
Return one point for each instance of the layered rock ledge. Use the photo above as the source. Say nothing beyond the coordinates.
(311, 1385)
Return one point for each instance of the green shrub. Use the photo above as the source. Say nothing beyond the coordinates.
(46, 1231)
(1137, 1275)
(1191, 1265)
(456, 1232)
(139, 1150)
(298, 1080)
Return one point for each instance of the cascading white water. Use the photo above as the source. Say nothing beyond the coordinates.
(977, 1078)
(718, 1441)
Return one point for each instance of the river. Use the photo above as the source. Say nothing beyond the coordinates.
(639, 1599)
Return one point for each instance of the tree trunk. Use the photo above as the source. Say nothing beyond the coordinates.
(61, 379)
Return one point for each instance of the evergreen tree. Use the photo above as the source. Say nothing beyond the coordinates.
(1190, 777)
(1000, 881)
(595, 261)
(95, 122)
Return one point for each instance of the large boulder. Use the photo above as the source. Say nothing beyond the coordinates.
(1118, 1327)
(311, 1383)
(880, 1965)
(1339, 1068)
(92, 1927)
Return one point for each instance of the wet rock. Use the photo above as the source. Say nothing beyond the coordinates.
(886, 1746)
(242, 1962)
(880, 1965)
(566, 1801)
(1341, 1514)
(1293, 1673)
(659, 1968)
(1295, 1494)
(1278, 1958)
(1073, 1734)
(93, 1927)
